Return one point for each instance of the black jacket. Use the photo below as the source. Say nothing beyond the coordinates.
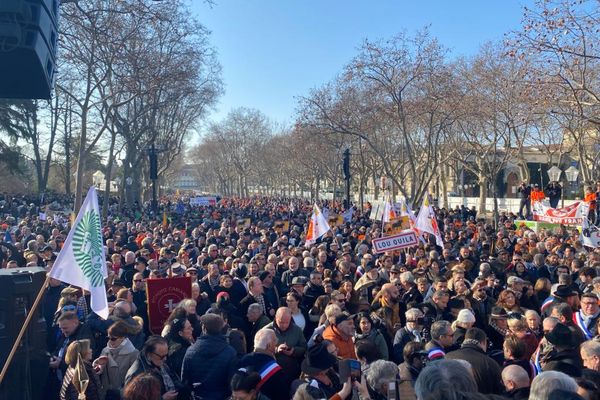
(208, 366)
(277, 386)
(486, 371)
(142, 365)
(518, 394)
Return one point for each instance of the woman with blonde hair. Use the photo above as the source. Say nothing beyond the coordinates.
(70, 384)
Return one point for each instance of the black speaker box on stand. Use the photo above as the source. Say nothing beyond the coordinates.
(28, 371)
(28, 40)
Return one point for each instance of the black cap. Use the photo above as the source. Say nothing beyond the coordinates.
(344, 317)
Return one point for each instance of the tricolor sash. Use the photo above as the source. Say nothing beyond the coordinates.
(578, 319)
(435, 353)
(267, 372)
(536, 363)
(546, 303)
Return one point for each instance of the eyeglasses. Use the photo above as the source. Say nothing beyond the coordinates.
(138, 280)
(159, 356)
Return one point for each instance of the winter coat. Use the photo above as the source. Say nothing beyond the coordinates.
(177, 349)
(378, 340)
(119, 362)
(208, 366)
(141, 365)
(486, 371)
(294, 338)
(402, 337)
(277, 386)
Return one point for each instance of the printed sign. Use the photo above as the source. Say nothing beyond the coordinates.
(396, 225)
(282, 226)
(163, 295)
(406, 238)
(335, 220)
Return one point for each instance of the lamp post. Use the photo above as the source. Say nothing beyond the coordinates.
(572, 173)
(347, 176)
(554, 174)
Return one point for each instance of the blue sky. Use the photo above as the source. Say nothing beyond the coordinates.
(272, 51)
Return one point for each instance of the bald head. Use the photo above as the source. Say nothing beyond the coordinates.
(283, 317)
(514, 377)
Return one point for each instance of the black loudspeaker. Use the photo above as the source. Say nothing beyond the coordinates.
(27, 372)
(28, 40)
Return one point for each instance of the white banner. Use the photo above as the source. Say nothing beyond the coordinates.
(203, 201)
(569, 215)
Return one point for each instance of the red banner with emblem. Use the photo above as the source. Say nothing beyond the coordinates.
(163, 296)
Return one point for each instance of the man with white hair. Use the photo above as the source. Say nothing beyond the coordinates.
(550, 381)
(127, 271)
(273, 383)
(410, 293)
(590, 355)
(380, 374)
(411, 332)
(516, 382)
(257, 320)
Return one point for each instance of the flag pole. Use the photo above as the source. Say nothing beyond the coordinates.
(23, 329)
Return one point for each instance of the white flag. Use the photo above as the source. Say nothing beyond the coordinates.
(82, 261)
(317, 226)
(427, 222)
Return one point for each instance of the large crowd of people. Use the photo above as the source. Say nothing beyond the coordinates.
(500, 311)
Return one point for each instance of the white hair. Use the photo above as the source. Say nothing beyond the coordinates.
(549, 381)
(254, 308)
(263, 338)
(380, 373)
(517, 374)
(407, 277)
(591, 348)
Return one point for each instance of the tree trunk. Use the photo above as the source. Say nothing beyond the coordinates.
(68, 134)
(108, 176)
(81, 162)
(483, 180)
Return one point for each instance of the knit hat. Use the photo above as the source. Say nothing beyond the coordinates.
(465, 316)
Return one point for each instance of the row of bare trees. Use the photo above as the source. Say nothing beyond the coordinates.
(409, 112)
(131, 74)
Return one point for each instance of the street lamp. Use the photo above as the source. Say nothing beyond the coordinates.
(572, 173)
(554, 174)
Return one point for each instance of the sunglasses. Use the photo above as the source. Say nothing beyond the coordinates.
(69, 308)
(112, 338)
(138, 280)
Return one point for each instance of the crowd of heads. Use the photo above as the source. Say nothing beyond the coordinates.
(419, 318)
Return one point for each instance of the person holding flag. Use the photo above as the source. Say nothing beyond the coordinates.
(317, 227)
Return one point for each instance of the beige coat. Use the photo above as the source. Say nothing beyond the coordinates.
(119, 361)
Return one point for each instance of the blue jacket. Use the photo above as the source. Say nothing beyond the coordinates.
(208, 366)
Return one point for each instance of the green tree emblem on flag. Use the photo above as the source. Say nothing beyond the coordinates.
(87, 247)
